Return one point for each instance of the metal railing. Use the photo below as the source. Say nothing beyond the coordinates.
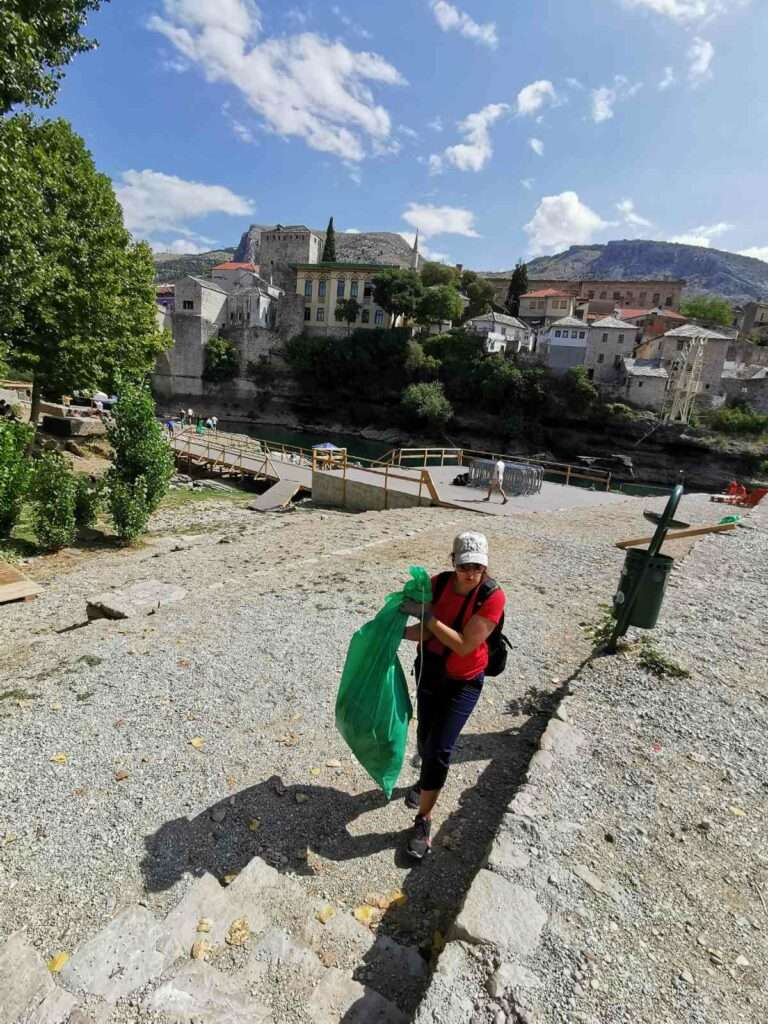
(519, 479)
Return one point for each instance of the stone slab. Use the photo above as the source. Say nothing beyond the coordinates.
(206, 898)
(27, 991)
(340, 998)
(202, 994)
(133, 949)
(511, 978)
(562, 739)
(448, 1000)
(501, 913)
(507, 854)
(138, 599)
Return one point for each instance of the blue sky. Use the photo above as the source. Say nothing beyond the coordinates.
(499, 128)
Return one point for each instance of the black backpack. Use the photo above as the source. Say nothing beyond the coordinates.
(497, 642)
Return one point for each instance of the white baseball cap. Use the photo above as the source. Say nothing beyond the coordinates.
(470, 547)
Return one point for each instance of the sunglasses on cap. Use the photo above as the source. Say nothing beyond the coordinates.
(470, 567)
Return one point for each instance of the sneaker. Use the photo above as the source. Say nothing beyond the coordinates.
(413, 798)
(419, 845)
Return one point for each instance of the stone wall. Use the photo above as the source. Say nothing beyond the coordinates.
(329, 489)
(755, 392)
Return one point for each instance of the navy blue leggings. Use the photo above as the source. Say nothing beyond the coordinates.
(444, 705)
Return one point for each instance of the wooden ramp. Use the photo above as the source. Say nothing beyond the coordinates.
(14, 586)
(279, 495)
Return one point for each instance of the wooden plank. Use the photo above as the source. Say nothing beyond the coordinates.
(14, 585)
(697, 531)
(279, 495)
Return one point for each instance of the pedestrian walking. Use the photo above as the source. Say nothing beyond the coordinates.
(467, 606)
(215, 422)
(169, 426)
(209, 423)
(497, 482)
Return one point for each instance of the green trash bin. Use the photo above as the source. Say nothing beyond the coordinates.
(650, 597)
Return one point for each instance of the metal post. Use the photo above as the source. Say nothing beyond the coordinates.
(386, 485)
(568, 475)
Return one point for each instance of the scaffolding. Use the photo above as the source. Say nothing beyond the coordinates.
(685, 381)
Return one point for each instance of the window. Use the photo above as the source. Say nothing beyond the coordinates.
(590, 295)
(321, 286)
(366, 316)
(563, 303)
(630, 296)
(557, 334)
(574, 334)
(706, 387)
(378, 317)
(341, 285)
(582, 334)
(617, 361)
(605, 337)
(320, 313)
(353, 290)
(307, 289)
(590, 374)
(601, 358)
(668, 300)
(641, 298)
(367, 292)
(231, 316)
(656, 298)
(621, 339)
(616, 296)
(639, 383)
(307, 313)
(187, 304)
(680, 344)
(603, 295)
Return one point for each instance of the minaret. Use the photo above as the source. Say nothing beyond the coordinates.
(416, 250)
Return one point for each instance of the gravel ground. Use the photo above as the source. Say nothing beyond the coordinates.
(651, 856)
(250, 662)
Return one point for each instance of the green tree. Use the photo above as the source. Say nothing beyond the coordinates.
(398, 292)
(418, 365)
(709, 308)
(517, 286)
(142, 463)
(15, 467)
(84, 314)
(578, 391)
(222, 360)
(438, 303)
(481, 295)
(54, 501)
(329, 249)
(348, 310)
(439, 273)
(37, 38)
(427, 402)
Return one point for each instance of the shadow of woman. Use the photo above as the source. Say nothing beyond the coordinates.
(280, 824)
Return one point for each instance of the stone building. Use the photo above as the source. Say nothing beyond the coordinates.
(564, 345)
(644, 383)
(501, 333)
(693, 356)
(542, 307)
(754, 321)
(604, 295)
(322, 285)
(610, 341)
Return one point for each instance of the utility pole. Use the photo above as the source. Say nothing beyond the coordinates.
(685, 380)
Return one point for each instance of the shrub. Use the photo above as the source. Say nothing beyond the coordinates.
(142, 464)
(54, 497)
(87, 501)
(222, 360)
(427, 402)
(261, 371)
(740, 420)
(15, 467)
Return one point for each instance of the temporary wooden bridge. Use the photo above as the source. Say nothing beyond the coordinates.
(423, 474)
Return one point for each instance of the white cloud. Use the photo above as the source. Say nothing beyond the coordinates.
(408, 132)
(476, 151)
(532, 97)
(703, 234)
(153, 201)
(700, 55)
(527, 183)
(573, 83)
(242, 131)
(182, 246)
(561, 221)
(669, 79)
(627, 210)
(437, 124)
(537, 146)
(301, 85)
(757, 252)
(351, 231)
(687, 11)
(440, 220)
(451, 19)
(350, 23)
(607, 96)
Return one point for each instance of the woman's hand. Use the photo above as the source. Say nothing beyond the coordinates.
(420, 611)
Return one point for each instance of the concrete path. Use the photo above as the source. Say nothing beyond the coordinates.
(551, 498)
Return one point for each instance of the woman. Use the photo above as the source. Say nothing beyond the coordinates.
(450, 669)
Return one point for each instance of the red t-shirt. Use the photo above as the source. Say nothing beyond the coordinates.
(446, 609)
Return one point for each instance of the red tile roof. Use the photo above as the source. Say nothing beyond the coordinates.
(547, 293)
(236, 266)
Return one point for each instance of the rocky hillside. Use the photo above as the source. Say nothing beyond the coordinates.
(170, 266)
(358, 247)
(712, 271)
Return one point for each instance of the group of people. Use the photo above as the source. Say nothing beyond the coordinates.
(6, 410)
(187, 418)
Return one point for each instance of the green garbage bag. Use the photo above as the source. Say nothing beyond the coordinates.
(373, 708)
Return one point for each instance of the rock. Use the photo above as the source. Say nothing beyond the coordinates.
(507, 855)
(509, 977)
(561, 739)
(137, 599)
(342, 936)
(338, 997)
(686, 976)
(205, 899)
(27, 990)
(201, 993)
(500, 913)
(595, 883)
(132, 950)
(218, 814)
(448, 1000)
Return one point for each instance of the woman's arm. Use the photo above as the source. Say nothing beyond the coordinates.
(417, 632)
(476, 632)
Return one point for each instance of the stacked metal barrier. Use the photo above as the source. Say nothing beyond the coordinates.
(519, 478)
